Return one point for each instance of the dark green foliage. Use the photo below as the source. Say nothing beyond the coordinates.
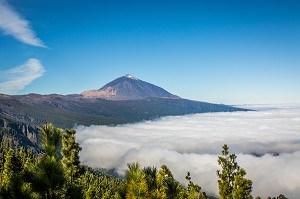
(71, 164)
(12, 176)
(48, 177)
(70, 153)
(280, 196)
(151, 173)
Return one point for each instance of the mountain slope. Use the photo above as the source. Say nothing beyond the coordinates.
(18, 134)
(128, 88)
(66, 111)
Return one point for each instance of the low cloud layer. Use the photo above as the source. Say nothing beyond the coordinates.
(193, 143)
(17, 78)
(11, 23)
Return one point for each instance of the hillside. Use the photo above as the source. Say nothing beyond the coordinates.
(67, 111)
(18, 134)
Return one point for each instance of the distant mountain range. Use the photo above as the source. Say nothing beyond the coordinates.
(124, 100)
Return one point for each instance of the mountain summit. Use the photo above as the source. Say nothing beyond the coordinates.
(128, 88)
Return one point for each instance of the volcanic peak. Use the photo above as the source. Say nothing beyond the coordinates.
(128, 88)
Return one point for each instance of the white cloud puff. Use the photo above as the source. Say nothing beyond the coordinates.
(13, 24)
(193, 143)
(17, 78)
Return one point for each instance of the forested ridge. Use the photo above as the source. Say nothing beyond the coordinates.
(56, 172)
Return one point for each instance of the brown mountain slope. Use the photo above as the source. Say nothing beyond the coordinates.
(128, 88)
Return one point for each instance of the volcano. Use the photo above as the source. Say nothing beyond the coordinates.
(129, 88)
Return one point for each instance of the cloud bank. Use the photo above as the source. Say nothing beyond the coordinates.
(192, 143)
(13, 24)
(17, 78)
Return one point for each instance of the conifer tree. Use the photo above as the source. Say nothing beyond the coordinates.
(12, 176)
(71, 164)
(48, 176)
(193, 191)
(167, 186)
(7, 176)
(242, 187)
(90, 193)
(136, 184)
(51, 140)
(232, 184)
(281, 196)
(151, 173)
(227, 174)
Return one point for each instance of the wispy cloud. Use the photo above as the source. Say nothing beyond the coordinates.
(192, 143)
(17, 78)
(13, 24)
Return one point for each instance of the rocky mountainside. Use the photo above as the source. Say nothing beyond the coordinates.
(128, 88)
(18, 134)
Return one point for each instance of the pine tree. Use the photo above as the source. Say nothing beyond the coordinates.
(193, 191)
(167, 186)
(48, 176)
(71, 164)
(281, 196)
(151, 173)
(232, 184)
(242, 187)
(227, 175)
(136, 183)
(7, 176)
(90, 193)
(51, 140)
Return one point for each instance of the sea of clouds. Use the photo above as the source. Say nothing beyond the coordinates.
(193, 143)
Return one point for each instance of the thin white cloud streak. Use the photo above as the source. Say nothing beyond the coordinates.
(17, 78)
(13, 24)
(192, 143)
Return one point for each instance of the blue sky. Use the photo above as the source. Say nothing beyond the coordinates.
(230, 52)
